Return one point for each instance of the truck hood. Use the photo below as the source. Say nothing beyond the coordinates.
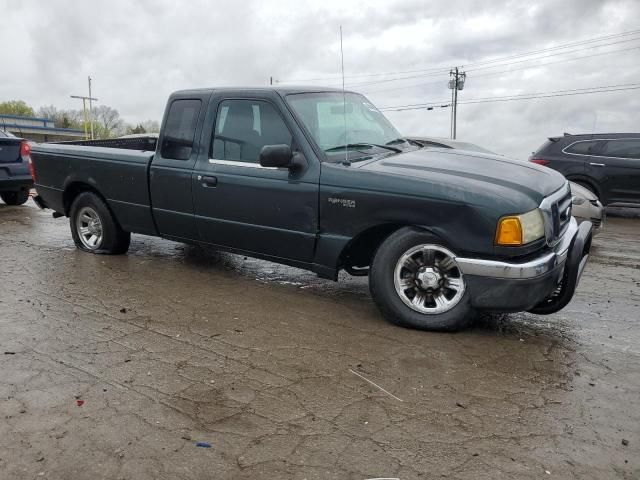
(474, 170)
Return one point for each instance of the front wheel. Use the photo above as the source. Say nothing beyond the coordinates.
(93, 227)
(415, 282)
(15, 198)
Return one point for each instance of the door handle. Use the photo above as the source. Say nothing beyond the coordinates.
(208, 181)
(598, 164)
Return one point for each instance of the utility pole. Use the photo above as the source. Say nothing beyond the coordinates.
(270, 80)
(84, 113)
(456, 83)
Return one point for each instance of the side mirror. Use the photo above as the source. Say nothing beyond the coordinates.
(279, 156)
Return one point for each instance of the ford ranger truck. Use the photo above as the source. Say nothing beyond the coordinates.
(320, 180)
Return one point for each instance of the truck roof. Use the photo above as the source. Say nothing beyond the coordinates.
(281, 89)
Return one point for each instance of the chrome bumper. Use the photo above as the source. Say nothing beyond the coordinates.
(531, 269)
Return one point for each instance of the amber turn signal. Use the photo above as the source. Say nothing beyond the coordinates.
(509, 231)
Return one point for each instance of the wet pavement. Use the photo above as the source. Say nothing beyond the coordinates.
(115, 367)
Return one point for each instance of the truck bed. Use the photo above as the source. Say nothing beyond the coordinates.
(121, 177)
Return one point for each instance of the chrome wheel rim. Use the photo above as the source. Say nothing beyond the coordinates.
(428, 280)
(89, 228)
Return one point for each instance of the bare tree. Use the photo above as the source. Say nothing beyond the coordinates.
(108, 119)
(62, 118)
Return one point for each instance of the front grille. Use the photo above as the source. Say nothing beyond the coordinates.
(563, 207)
(556, 209)
(596, 222)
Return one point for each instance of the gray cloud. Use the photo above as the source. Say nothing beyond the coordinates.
(138, 52)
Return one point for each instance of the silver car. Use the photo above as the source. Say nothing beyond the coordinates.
(586, 206)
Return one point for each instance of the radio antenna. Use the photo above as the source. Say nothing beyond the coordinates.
(344, 103)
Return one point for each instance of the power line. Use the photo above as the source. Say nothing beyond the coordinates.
(520, 94)
(550, 96)
(525, 67)
(496, 60)
(563, 60)
(556, 54)
(523, 96)
(558, 47)
(504, 64)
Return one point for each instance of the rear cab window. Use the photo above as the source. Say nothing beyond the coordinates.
(180, 129)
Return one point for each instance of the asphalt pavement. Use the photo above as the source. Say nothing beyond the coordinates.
(178, 362)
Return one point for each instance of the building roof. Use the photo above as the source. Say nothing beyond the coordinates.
(35, 125)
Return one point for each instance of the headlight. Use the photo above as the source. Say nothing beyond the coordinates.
(578, 200)
(520, 229)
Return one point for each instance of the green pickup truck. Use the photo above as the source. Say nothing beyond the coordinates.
(319, 179)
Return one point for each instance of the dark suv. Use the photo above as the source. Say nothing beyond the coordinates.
(608, 164)
(15, 174)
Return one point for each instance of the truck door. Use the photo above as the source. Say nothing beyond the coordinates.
(240, 204)
(172, 166)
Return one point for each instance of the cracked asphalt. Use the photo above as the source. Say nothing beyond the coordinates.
(115, 367)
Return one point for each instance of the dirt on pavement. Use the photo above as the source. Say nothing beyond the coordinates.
(115, 367)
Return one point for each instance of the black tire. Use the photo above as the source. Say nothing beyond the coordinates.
(19, 197)
(388, 300)
(114, 240)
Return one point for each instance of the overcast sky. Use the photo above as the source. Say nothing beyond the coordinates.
(138, 52)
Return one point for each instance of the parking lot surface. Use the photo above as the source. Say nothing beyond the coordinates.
(116, 367)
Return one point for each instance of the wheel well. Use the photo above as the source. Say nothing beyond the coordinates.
(360, 250)
(72, 191)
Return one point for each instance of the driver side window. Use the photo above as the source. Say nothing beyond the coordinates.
(243, 127)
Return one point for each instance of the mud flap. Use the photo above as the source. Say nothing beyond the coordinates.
(39, 202)
(574, 266)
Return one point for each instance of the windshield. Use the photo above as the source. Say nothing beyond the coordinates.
(325, 114)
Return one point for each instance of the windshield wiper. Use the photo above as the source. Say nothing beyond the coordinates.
(398, 140)
(357, 145)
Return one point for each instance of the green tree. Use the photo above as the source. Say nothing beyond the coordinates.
(16, 107)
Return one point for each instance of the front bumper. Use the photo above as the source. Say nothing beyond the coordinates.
(513, 287)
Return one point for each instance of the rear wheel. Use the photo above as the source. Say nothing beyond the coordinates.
(93, 227)
(15, 198)
(416, 282)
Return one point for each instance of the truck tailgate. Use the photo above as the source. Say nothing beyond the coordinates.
(121, 176)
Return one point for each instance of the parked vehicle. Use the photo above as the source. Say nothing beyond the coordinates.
(15, 176)
(608, 164)
(274, 173)
(586, 205)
